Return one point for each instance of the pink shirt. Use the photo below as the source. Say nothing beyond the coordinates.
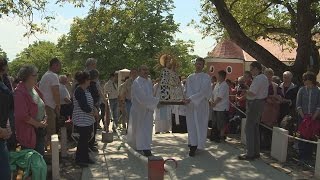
(24, 109)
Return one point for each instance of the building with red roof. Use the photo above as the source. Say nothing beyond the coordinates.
(230, 57)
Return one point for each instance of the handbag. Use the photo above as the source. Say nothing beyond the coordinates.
(309, 128)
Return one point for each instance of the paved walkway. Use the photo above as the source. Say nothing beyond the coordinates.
(218, 161)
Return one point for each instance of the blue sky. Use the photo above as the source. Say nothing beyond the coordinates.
(13, 42)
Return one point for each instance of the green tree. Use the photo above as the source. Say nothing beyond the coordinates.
(39, 54)
(125, 35)
(120, 34)
(3, 54)
(26, 10)
(291, 22)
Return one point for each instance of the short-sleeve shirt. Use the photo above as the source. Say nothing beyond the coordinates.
(64, 93)
(111, 89)
(126, 88)
(259, 87)
(221, 90)
(48, 80)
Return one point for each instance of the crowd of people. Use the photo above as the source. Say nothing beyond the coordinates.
(32, 111)
(258, 96)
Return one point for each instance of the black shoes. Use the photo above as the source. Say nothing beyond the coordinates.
(90, 161)
(192, 151)
(147, 153)
(85, 164)
(246, 157)
(216, 140)
(94, 149)
(257, 156)
(82, 164)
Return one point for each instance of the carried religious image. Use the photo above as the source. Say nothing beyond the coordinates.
(171, 91)
(160, 89)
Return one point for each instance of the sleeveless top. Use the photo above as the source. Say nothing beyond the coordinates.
(41, 106)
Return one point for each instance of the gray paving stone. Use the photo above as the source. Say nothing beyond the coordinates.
(217, 161)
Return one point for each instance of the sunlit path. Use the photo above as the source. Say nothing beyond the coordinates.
(218, 161)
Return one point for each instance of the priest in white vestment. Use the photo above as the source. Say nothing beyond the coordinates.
(141, 114)
(198, 93)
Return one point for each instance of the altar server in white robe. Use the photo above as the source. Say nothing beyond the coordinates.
(198, 93)
(141, 114)
(162, 115)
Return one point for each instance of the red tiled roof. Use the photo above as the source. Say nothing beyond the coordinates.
(227, 49)
(282, 52)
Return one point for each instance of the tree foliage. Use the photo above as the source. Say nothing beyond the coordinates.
(294, 23)
(27, 10)
(38, 54)
(3, 54)
(124, 35)
(271, 19)
(119, 33)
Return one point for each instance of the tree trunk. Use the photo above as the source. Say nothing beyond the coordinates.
(307, 54)
(251, 47)
(306, 48)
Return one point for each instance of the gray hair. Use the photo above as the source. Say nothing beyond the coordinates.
(91, 61)
(62, 77)
(269, 71)
(26, 71)
(143, 67)
(288, 73)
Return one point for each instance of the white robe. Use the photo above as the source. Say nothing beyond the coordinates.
(163, 121)
(141, 114)
(198, 89)
(179, 110)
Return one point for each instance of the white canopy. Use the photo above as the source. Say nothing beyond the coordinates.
(122, 74)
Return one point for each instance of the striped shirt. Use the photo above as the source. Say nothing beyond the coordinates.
(83, 106)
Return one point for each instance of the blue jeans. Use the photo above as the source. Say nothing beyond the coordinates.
(114, 109)
(103, 112)
(128, 106)
(5, 173)
(305, 149)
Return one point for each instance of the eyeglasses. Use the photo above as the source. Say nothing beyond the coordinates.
(34, 75)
